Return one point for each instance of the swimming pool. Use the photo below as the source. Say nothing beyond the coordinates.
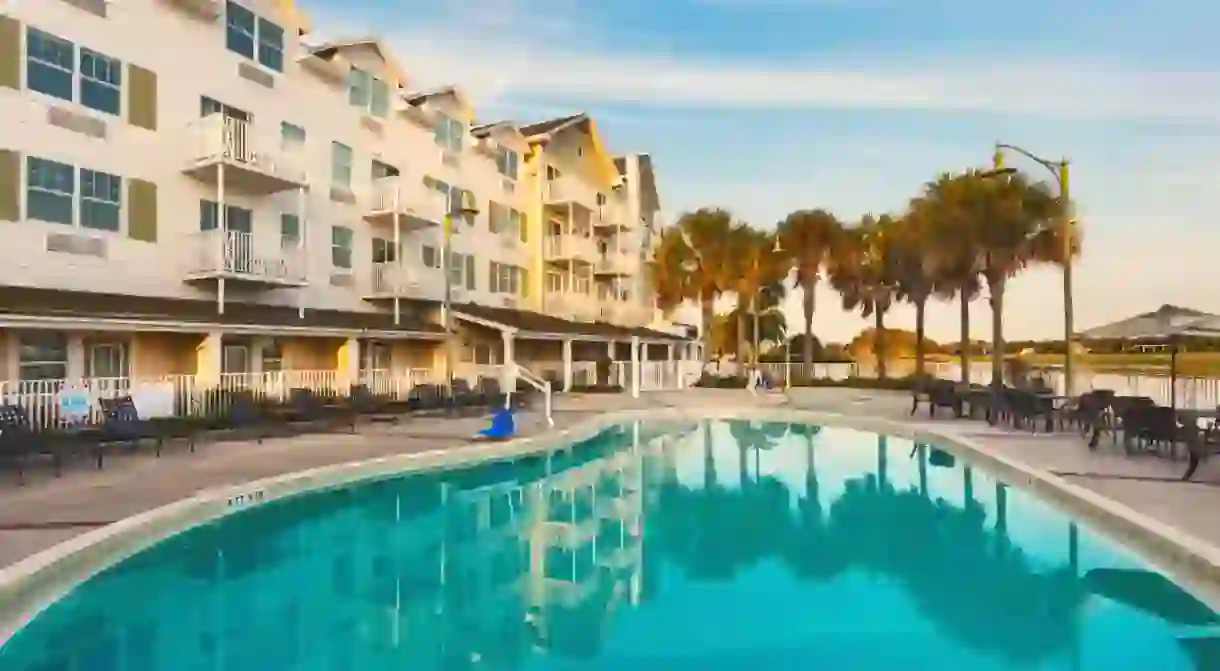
(722, 545)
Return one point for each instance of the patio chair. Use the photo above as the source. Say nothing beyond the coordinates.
(489, 389)
(306, 407)
(424, 397)
(937, 393)
(122, 426)
(1112, 419)
(364, 405)
(244, 413)
(462, 397)
(20, 444)
(1088, 410)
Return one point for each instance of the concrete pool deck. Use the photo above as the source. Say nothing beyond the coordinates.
(48, 511)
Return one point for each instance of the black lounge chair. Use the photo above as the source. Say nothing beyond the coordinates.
(246, 414)
(122, 425)
(20, 444)
(937, 393)
(364, 405)
(462, 397)
(488, 388)
(424, 397)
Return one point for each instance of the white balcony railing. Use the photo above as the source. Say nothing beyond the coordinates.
(563, 247)
(404, 281)
(222, 139)
(570, 190)
(618, 263)
(232, 253)
(396, 195)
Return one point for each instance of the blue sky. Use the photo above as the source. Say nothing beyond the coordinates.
(766, 106)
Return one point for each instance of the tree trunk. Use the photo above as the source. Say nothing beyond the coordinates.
(964, 345)
(996, 289)
(879, 345)
(808, 305)
(741, 334)
(708, 313)
(757, 339)
(921, 306)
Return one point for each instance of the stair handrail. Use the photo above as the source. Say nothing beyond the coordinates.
(538, 383)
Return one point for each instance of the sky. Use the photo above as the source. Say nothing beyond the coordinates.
(768, 106)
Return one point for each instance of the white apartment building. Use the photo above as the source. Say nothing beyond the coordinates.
(189, 189)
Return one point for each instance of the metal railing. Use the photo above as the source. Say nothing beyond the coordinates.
(218, 137)
(544, 386)
(228, 252)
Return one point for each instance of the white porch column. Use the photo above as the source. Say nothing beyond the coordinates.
(348, 365)
(508, 376)
(671, 368)
(209, 356)
(567, 364)
(75, 368)
(257, 345)
(635, 366)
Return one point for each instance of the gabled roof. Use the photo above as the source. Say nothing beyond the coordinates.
(650, 200)
(553, 125)
(421, 97)
(503, 127)
(329, 49)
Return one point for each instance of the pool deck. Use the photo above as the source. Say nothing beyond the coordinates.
(48, 510)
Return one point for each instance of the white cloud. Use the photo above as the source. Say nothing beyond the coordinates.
(524, 49)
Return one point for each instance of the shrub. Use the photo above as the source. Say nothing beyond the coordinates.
(597, 389)
(711, 381)
(896, 384)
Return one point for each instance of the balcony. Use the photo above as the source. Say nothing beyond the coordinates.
(612, 215)
(396, 280)
(571, 305)
(616, 264)
(233, 255)
(239, 155)
(623, 312)
(567, 191)
(415, 206)
(577, 249)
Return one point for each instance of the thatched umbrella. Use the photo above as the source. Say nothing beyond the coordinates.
(1167, 324)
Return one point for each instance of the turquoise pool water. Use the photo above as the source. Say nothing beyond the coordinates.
(727, 545)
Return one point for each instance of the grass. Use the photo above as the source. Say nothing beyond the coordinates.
(1197, 364)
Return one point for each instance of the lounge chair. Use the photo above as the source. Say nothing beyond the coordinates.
(244, 413)
(424, 397)
(364, 405)
(937, 393)
(122, 425)
(20, 444)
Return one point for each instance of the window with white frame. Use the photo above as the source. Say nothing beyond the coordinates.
(254, 37)
(101, 200)
(107, 359)
(507, 163)
(235, 359)
(209, 106)
(450, 133)
(43, 356)
(50, 190)
(430, 257)
(504, 278)
(59, 68)
(341, 165)
(384, 251)
(368, 92)
(273, 357)
(290, 231)
(291, 136)
(237, 219)
(341, 247)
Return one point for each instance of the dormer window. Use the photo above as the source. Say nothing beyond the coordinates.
(370, 94)
(450, 134)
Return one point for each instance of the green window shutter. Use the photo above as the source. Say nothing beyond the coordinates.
(524, 227)
(141, 210)
(141, 97)
(10, 52)
(525, 283)
(10, 185)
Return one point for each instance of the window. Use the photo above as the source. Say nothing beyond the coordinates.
(506, 279)
(254, 37)
(580, 151)
(450, 133)
(470, 276)
(497, 217)
(359, 83)
(290, 231)
(237, 219)
(43, 356)
(101, 81)
(100, 200)
(49, 64)
(273, 357)
(341, 165)
(208, 107)
(51, 188)
(506, 163)
(430, 257)
(379, 105)
(106, 360)
(383, 251)
(270, 45)
(341, 247)
(553, 173)
(457, 263)
(601, 199)
(235, 359)
(381, 170)
(291, 136)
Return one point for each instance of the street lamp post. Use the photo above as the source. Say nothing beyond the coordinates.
(462, 206)
(1060, 170)
(777, 249)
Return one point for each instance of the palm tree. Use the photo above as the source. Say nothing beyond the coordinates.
(955, 239)
(759, 265)
(916, 260)
(691, 263)
(860, 270)
(1014, 220)
(809, 236)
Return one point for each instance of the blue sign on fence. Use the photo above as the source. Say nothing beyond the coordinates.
(74, 404)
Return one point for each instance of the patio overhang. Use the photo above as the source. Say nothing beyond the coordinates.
(536, 326)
